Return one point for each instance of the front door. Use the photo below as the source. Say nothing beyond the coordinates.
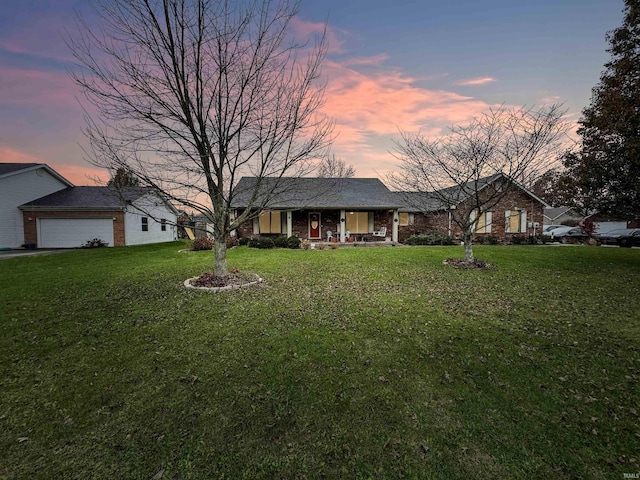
(314, 225)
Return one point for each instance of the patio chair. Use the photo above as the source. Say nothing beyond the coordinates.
(329, 235)
(380, 233)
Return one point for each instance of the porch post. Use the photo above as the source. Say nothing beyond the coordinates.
(289, 225)
(232, 218)
(343, 225)
(394, 228)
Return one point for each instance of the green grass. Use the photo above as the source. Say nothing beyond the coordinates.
(349, 363)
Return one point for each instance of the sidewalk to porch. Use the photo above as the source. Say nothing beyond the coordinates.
(381, 243)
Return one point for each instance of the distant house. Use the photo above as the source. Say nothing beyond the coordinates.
(21, 183)
(561, 216)
(318, 208)
(119, 217)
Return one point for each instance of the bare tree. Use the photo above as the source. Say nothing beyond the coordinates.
(189, 95)
(470, 170)
(332, 167)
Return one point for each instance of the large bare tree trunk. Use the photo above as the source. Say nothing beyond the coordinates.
(468, 246)
(220, 258)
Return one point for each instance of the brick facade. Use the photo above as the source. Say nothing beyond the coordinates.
(31, 221)
(515, 200)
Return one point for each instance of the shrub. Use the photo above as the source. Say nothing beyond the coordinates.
(430, 238)
(231, 242)
(202, 243)
(518, 239)
(261, 242)
(94, 243)
(293, 243)
(280, 242)
(244, 241)
(306, 244)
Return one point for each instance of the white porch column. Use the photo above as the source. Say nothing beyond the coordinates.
(232, 218)
(343, 225)
(394, 228)
(289, 225)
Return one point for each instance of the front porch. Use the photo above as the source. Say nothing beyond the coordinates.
(328, 225)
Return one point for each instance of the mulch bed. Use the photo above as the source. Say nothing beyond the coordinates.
(233, 278)
(462, 263)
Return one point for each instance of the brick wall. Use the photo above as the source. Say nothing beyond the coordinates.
(440, 220)
(30, 223)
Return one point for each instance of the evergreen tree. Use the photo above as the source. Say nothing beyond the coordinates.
(605, 173)
(123, 178)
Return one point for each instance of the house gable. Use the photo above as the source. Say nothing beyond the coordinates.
(21, 183)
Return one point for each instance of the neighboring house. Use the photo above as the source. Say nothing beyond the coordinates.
(560, 215)
(119, 217)
(520, 212)
(318, 208)
(21, 183)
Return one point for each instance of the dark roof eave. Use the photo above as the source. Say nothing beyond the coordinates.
(56, 208)
(325, 207)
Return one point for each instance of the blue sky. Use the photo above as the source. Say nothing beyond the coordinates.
(409, 65)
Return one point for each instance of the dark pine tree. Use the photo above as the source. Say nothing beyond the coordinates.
(605, 173)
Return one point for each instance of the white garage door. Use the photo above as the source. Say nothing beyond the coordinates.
(604, 227)
(73, 232)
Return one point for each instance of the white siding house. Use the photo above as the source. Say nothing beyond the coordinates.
(21, 183)
(126, 216)
(149, 220)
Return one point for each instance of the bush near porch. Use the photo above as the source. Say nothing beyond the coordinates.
(359, 363)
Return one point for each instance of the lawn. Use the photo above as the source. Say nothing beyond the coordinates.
(349, 363)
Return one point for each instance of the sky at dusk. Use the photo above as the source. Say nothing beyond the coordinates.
(404, 65)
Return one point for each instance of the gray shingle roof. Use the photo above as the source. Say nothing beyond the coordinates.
(16, 167)
(88, 198)
(307, 192)
(9, 169)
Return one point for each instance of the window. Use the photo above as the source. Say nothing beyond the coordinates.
(404, 219)
(357, 222)
(163, 224)
(483, 224)
(270, 221)
(145, 224)
(515, 221)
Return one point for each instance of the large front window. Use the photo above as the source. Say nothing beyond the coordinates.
(357, 222)
(270, 221)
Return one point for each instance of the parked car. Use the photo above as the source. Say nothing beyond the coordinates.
(558, 232)
(575, 234)
(625, 237)
(546, 230)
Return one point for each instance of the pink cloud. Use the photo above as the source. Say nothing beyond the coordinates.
(304, 29)
(370, 107)
(375, 60)
(37, 88)
(476, 81)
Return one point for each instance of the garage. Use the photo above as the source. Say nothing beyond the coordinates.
(604, 227)
(73, 232)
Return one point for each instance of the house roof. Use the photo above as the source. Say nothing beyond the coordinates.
(553, 213)
(88, 198)
(9, 169)
(451, 196)
(307, 192)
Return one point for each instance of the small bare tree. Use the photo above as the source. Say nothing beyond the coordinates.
(470, 170)
(189, 95)
(332, 167)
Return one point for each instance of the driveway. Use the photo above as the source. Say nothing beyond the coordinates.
(7, 254)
